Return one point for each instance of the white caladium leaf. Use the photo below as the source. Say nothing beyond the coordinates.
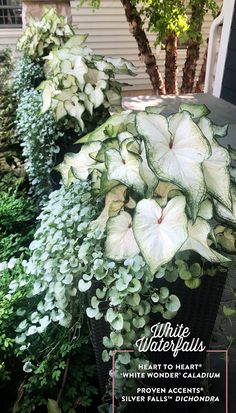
(122, 66)
(220, 130)
(116, 123)
(75, 41)
(59, 109)
(176, 149)
(195, 109)
(120, 242)
(113, 97)
(95, 94)
(155, 109)
(160, 232)
(66, 94)
(94, 75)
(206, 210)
(124, 135)
(47, 94)
(198, 241)
(66, 173)
(145, 172)
(103, 65)
(215, 168)
(123, 166)
(75, 109)
(81, 163)
(87, 103)
(75, 67)
(223, 212)
(162, 191)
(232, 171)
(115, 197)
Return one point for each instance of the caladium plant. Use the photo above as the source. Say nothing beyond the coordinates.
(41, 36)
(78, 81)
(178, 177)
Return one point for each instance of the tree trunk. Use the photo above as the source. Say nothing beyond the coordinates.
(145, 51)
(171, 63)
(193, 49)
(201, 78)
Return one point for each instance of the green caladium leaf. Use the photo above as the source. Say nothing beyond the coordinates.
(196, 110)
(198, 241)
(176, 149)
(215, 168)
(123, 166)
(160, 232)
(120, 242)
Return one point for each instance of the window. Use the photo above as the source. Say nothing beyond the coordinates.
(10, 13)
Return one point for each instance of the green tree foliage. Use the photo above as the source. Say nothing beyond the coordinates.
(169, 20)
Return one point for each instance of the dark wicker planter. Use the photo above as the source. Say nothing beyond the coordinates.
(198, 311)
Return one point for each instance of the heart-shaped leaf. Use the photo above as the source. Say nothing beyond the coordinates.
(160, 232)
(173, 303)
(80, 163)
(116, 197)
(175, 149)
(223, 212)
(216, 167)
(116, 339)
(197, 241)
(196, 110)
(84, 286)
(123, 166)
(120, 242)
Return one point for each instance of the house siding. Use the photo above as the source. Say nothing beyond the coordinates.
(228, 91)
(109, 35)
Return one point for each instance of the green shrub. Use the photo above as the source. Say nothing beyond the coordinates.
(17, 223)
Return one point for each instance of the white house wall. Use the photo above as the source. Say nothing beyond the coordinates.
(109, 35)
